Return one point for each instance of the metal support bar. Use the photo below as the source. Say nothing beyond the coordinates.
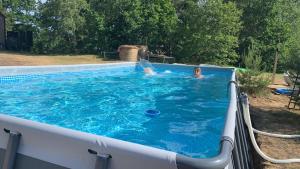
(236, 157)
(11, 150)
(101, 159)
(244, 150)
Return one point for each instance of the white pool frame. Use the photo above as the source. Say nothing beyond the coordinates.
(46, 146)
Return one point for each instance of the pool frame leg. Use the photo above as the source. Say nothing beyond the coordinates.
(101, 159)
(11, 149)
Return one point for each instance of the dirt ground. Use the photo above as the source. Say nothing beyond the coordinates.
(270, 113)
(15, 59)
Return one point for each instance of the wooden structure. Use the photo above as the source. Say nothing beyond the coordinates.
(163, 58)
(295, 96)
(159, 56)
(2, 31)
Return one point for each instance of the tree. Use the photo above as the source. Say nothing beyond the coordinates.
(122, 21)
(93, 32)
(136, 22)
(160, 21)
(279, 28)
(268, 25)
(293, 59)
(208, 31)
(61, 25)
(18, 12)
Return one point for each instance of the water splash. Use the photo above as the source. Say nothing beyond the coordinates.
(147, 67)
(145, 64)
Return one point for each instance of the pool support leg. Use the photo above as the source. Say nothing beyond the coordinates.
(11, 149)
(101, 159)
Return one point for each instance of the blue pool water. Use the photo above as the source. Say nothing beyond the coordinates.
(112, 102)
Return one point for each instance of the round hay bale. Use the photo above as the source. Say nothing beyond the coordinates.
(128, 53)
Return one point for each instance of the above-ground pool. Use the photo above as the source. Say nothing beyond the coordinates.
(113, 101)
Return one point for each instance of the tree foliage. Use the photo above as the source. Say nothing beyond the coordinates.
(61, 29)
(81, 26)
(18, 11)
(268, 24)
(136, 22)
(208, 31)
(194, 31)
(293, 52)
(160, 21)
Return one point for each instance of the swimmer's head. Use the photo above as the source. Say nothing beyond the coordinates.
(197, 72)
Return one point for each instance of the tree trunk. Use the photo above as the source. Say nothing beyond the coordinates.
(275, 67)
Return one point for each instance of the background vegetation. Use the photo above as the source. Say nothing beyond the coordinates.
(195, 31)
(252, 79)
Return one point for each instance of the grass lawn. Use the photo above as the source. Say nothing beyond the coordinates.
(16, 59)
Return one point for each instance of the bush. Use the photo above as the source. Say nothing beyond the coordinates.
(253, 83)
(253, 80)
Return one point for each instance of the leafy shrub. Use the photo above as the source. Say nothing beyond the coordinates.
(253, 80)
(253, 83)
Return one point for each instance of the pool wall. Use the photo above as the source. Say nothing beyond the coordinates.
(65, 148)
(47, 146)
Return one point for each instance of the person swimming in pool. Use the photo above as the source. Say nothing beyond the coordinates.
(149, 71)
(197, 73)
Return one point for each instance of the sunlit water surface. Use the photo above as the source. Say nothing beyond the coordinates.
(113, 102)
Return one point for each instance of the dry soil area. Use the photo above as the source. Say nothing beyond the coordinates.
(270, 113)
